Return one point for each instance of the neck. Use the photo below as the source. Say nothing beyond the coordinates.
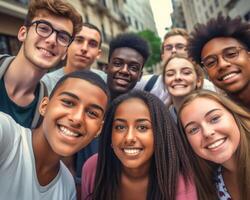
(177, 102)
(71, 68)
(242, 97)
(46, 160)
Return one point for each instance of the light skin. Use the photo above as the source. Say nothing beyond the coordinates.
(71, 120)
(84, 50)
(233, 76)
(212, 131)
(35, 57)
(214, 135)
(133, 145)
(173, 40)
(124, 70)
(180, 79)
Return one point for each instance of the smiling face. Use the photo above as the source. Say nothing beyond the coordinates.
(72, 118)
(132, 134)
(124, 70)
(180, 77)
(233, 76)
(44, 53)
(211, 130)
(84, 49)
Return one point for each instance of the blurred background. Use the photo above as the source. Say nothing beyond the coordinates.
(149, 18)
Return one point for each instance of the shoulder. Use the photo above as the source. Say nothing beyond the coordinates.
(185, 189)
(88, 175)
(102, 74)
(50, 79)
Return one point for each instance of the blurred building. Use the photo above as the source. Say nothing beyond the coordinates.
(139, 15)
(177, 16)
(110, 16)
(200, 11)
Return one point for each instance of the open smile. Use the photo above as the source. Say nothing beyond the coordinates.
(216, 144)
(46, 52)
(66, 132)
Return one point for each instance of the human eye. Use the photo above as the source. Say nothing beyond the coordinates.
(214, 119)
(43, 28)
(119, 127)
(64, 37)
(192, 130)
(93, 44)
(78, 40)
(142, 127)
(67, 102)
(92, 113)
(187, 71)
(170, 73)
(117, 63)
(179, 46)
(230, 52)
(134, 67)
(210, 61)
(168, 47)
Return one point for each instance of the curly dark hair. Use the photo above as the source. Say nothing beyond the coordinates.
(130, 40)
(217, 27)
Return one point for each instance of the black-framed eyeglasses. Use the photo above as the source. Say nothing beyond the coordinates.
(45, 29)
(229, 54)
(177, 46)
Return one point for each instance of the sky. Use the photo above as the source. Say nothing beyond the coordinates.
(161, 11)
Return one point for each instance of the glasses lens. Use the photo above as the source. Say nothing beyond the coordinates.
(43, 29)
(63, 38)
(168, 47)
(210, 61)
(180, 46)
(230, 53)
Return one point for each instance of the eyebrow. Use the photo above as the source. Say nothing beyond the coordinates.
(138, 120)
(77, 98)
(208, 113)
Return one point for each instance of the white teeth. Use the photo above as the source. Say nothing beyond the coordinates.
(179, 86)
(67, 132)
(132, 151)
(45, 52)
(216, 144)
(228, 76)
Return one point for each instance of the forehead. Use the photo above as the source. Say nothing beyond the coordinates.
(81, 88)
(58, 22)
(133, 108)
(177, 63)
(89, 33)
(216, 45)
(175, 39)
(127, 54)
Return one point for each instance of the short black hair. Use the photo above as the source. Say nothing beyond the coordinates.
(130, 40)
(92, 26)
(217, 27)
(86, 75)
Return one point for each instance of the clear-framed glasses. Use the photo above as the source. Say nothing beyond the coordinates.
(177, 46)
(228, 54)
(45, 29)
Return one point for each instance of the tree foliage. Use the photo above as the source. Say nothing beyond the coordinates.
(155, 46)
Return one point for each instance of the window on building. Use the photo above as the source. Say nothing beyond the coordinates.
(24, 2)
(247, 16)
(129, 20)
(104, 34)
(211, 9)
(136, 25)
(9, 45)
(86, 18)
(207, 16)
(203, 2)
(115, 5)
(216, 3)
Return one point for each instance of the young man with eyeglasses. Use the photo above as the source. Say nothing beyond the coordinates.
(49, 28)
(222, 47)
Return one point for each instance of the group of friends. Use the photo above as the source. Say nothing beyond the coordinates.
(82, 133)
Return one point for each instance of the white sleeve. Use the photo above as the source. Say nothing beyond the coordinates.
(8, 135)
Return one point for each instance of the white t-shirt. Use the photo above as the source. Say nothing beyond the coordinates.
(18, 178)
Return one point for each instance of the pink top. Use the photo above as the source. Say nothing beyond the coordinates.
(184, 191)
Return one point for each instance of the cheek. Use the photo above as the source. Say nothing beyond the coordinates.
(194, 141)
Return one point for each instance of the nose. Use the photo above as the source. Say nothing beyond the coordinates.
(222, 63)
(208, 131)
(124, 69)
(76, 117)
(52, 39)
(130, 136)
(178, 76)
(84, 46)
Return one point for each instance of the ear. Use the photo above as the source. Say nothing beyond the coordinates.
(140, 75)
(22, 33)
(99, 54)
(43, 106)
(199, 83)
(100, 129)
